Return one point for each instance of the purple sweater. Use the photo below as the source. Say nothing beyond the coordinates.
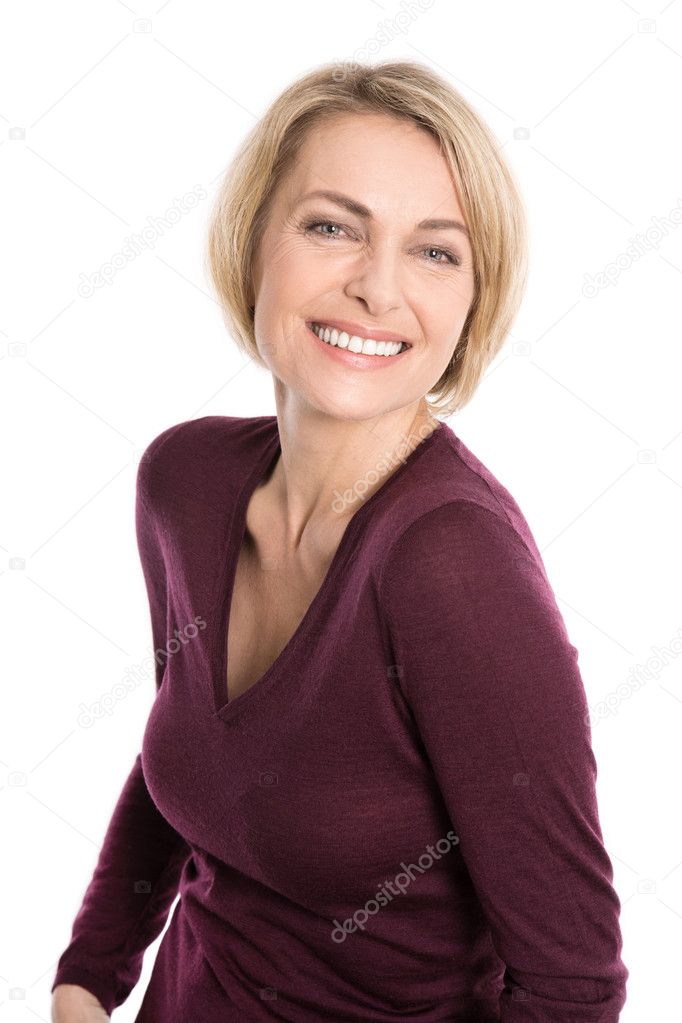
(398, 820)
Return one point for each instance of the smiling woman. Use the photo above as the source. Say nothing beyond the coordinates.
(429, 195)
(370, 776)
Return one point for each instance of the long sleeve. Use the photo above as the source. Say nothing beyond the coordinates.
(486, 667)
(136, 877)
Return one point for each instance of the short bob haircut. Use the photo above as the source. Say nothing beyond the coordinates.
(486, 188)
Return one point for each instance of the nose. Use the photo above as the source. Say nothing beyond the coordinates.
(374, 280)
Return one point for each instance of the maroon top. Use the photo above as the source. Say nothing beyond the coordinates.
(398, 820)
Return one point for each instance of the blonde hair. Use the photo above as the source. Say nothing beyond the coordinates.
(488, 193)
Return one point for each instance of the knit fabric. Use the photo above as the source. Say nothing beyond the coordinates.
(398, 820)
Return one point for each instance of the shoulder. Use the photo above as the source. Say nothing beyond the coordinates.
(446, 516)
(463, 549)
(181, 454)
(464, 570)
(448, 496)
(183, 437)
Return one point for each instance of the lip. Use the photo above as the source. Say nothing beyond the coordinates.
(362, 330)
(355, 360)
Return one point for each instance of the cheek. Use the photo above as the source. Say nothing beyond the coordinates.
(291, 252)
(442, 322)
(278, 323)
(446, 313)
(279, 264)
(457, 287)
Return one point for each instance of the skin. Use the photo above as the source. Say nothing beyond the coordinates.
(336, 422)
(73, 1004)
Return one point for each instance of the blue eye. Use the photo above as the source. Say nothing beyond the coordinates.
(446, 252)
(323, 223)
(451, 258)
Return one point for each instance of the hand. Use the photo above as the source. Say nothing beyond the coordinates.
(72, 1003)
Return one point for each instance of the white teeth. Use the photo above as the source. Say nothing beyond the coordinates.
(366, 346)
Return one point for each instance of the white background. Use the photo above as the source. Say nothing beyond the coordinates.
(103, 126)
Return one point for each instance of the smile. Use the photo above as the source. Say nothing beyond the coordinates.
(358, 345)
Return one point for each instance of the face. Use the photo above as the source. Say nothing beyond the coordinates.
(375, 271)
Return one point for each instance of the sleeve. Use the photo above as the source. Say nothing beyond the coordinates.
(494, 687)
(136, 876)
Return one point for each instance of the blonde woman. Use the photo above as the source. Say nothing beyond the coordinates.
(368, 767)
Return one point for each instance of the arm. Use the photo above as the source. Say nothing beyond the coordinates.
(136, 877)
(496, 693)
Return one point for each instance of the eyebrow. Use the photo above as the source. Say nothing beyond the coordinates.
(353, 206)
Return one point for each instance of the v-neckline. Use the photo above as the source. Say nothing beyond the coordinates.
(225, 707)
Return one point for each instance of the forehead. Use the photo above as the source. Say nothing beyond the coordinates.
(390, 165)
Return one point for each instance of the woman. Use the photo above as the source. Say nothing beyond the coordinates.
(368, 767)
